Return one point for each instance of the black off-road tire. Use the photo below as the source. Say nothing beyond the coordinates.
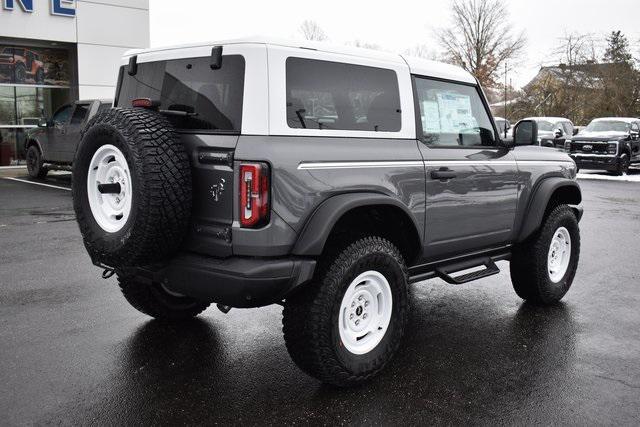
(40, 76)
(161, 188)
(529, 263)
(35, 165)
(155, 301)
(20, 73)
(310, 317)
(623, 165)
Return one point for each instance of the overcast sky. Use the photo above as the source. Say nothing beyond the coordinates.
(395, 25)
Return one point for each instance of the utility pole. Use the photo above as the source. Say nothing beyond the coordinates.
(505, 100)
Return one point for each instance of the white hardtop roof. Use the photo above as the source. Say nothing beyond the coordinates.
(617, 119)
(549, 119)
(416, 65)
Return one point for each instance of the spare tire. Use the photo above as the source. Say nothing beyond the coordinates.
(131, 188)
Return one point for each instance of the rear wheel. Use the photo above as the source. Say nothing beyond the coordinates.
(157, 301)
(543, 267)
(346, 327)
(20, 73)
(35, 165)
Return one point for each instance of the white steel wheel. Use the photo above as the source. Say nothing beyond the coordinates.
(111, 208)
(559, 255)
(365, 312)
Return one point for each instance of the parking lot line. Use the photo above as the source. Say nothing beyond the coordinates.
(38, 183)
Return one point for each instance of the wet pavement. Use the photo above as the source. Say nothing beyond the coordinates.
(72, 351)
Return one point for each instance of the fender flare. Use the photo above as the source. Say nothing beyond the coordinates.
(318, 227)
(537, 206)
(33, 141)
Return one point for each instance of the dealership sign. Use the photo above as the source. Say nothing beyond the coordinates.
(58, 7)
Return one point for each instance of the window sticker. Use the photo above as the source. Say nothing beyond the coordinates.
(455, 112)
(430, 117)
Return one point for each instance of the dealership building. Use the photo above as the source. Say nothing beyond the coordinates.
(54, 52)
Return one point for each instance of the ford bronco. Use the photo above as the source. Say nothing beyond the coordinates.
(52, 145)
(325, 179)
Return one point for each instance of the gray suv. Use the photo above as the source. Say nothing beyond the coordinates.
(325, 179)
(52, 145)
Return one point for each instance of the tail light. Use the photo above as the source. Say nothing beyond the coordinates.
(254, 195)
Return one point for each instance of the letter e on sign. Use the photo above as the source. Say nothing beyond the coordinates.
(63, 8)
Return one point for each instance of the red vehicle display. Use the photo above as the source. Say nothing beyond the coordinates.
(22, 63)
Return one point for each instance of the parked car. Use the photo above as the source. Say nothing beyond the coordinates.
(53, 143)
(610, 143)
(326, 179)
(553, 131)
(21, 63)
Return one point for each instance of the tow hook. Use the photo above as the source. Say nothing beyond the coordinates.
(108, 272)
(223, 308)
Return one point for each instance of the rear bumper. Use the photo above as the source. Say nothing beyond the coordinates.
(600, 161)
(235, 281)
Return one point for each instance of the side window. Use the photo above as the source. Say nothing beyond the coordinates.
(333, 95)
(62, 115)
(452, 114)
(79, 114)
(568, 128)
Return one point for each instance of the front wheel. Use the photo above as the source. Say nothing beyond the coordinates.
(623, 165)
(344, 328)
(35, 165)
(543, 267)
(156, 300)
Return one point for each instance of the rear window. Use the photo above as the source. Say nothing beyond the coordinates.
(210, 100)
(333, 95)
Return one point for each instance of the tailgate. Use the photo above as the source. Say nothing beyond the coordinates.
(211, 159)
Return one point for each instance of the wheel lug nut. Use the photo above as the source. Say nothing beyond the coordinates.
(351, 316)
(366, 303)
(364, 316)
(360, 298)
(353, 304)
(357, 322)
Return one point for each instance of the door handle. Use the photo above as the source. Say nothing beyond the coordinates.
(443, 174)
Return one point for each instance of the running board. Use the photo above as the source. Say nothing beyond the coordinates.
(444, 268)
(445, 273)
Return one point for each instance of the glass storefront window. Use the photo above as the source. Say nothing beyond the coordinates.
(7, 106)
(34, 83)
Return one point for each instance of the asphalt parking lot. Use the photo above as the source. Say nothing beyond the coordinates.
(73, 352)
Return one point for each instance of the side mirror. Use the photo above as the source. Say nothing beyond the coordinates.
(558, 133)
(525, 132)
(575, 131)
(43, 123)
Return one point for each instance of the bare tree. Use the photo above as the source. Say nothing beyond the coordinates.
(480, 38)
(422, 51)
(310, 30)
(365, 45)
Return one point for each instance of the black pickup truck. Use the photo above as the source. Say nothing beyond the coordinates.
(52, 145)
(609, 143)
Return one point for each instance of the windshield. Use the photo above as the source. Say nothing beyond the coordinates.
(545, 126)
(208, 99)
(608, 126)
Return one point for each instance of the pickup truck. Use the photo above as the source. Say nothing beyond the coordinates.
(52, 145)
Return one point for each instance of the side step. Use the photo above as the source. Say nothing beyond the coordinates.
(445, 272)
